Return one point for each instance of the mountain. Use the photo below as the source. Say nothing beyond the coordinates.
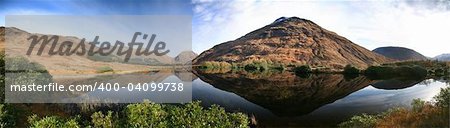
(74, 64)
(185, 57)
(399, 53)
(294, 41)
(443, 57)
(2, 39)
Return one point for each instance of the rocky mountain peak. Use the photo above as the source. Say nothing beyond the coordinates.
(294, 40)
(284, 27)
(185, 57)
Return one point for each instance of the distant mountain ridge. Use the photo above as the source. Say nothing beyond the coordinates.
(185, 57)
(400, 53)
(75, 62)
(443, 57)
(294, 40)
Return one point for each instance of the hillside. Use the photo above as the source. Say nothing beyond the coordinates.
(57, 64)
(293, 41)
(185, 57)
(399, 53)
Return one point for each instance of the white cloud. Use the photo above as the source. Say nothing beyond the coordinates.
(369, 24)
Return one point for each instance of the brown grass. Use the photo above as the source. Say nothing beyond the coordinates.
(427, 116)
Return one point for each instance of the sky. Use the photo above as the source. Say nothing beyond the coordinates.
(422, 25)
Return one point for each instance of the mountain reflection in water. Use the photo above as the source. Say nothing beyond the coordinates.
(281, 98)
(276, 99)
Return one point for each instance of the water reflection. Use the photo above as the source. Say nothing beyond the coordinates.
(283, 99)
(396, 83)
(279, 99)
(135, 83)
(285, 94)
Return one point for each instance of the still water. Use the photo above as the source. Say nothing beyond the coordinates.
(280, 99)
(283, 99)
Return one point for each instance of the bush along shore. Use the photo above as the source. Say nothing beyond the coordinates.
(139, 115)
(408, 69)
(423, 114)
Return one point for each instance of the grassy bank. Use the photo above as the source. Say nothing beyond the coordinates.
(422, 114)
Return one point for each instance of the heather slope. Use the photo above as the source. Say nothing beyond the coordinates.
(293, 41)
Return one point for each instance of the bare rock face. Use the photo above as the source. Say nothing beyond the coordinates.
(294, 41)
(185, 57)
(399, 53)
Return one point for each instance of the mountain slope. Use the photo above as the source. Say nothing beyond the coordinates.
(293, 41)
(57, 64)
(443, 57)
(399, 53)
(185, 57)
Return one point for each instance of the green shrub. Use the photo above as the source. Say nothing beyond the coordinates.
(99, 120)
(302, 69)
(379, 71)
(104, 69)
(215, 65)
(6, 117)
(149, 114)
(422, 114)
(434, 68)
(257, 65)
(248, 65)
(52, 122)
(348, 69)
(193, 115)
(146, 115)
(401, 71)
(25, 72)
(360, 121)
(443, 98)
(251, 67)
(418, 105)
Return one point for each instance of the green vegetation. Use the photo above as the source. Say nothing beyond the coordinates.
(304, 69)
(422, 114)
(350, 70)
(53, 122)
(380, 72)
(104, 69)
(190, 115)
(407, 69)
(22, 72)
(146, 114)
(99, 120)
(215, 65)
(2, 77)
(434, 68)
(6, 117)
(248, 65)
(361, 121)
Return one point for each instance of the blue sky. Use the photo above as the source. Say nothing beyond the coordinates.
(94, 7)
(422, 25)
